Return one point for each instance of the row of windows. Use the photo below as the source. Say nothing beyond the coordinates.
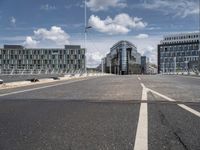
(178, 65)
(39, 52)
(177, 42)
(182, 37)
(40, 62)
(178, 59)
(182, 47)
(180, 53)
(64, 66)
(42, 56)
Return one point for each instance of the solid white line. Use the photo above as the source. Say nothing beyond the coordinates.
(161, 95)
(181, 105)
(139, 78)
(141, 139)
(38, 88)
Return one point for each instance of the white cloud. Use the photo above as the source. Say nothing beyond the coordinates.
(142, 36)
(13, 20)
(120, 24)
(94, 58)
(181, 8)
(29, 42)
(48, 7)
(98, 5)
(54, 36)
(68, 6)
(148, 46)
(151, 52)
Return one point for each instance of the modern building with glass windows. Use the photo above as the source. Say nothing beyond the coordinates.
(123, 59)
(145, 66)
(179, 53)
(16, 58)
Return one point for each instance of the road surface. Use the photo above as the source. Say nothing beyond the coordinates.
(103, 113)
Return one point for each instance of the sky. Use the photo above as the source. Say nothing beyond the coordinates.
(55, 23)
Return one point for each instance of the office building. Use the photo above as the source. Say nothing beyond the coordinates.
(16, 58)
(123, 59)
(145, 66)
(179, 53)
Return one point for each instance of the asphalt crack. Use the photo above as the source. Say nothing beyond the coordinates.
(166, 123)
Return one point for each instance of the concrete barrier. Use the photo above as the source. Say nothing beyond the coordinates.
(47, 80)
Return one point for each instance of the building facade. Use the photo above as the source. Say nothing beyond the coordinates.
(123, 59)
(16, 58)
(179, 53)
(145, 66)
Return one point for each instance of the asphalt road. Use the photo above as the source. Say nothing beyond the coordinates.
(100, 113)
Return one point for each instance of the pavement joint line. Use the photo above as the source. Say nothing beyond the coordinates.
(43, 87)
(141, 139)
(195, 112)
(192, 77)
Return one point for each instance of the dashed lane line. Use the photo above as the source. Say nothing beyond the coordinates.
(43, 87)
(181, 105)
(141, 139)
(139, 78)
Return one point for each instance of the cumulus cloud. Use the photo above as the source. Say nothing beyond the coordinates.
(151, 52)
(47, 7)
(98, 5)
(142, 36)
(181, 8)
(148, 46)
(13, 20)
(29, 42)
(55, 36)
(120, 24)
(94, 58)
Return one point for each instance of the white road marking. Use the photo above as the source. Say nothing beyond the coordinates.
(141, 139)
(38, 88)
(139, 78)
(181, 105)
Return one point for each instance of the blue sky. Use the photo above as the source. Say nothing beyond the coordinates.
(53, 23)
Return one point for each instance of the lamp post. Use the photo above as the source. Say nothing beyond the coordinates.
(199, 39)
(186, 66)
(163, 69)
(174, 65)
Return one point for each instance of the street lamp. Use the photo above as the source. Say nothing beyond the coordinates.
(187, 66)
(199, 39)
(85, 34)
(174, 65)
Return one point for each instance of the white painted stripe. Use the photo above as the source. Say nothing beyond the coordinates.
(181, 105)
(141, 139)
(139, 78)
(189, 109)
(38, 88)
(161, 95)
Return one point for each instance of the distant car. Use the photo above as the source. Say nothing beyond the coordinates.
(33, 80)
(72, 75)
(55, 78)
(1, 81)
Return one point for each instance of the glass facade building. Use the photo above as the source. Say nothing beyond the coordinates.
(123, 59)
(145, 65)
(179, 53)
(15, 57)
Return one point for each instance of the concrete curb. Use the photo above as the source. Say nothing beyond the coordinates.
(44, 80)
